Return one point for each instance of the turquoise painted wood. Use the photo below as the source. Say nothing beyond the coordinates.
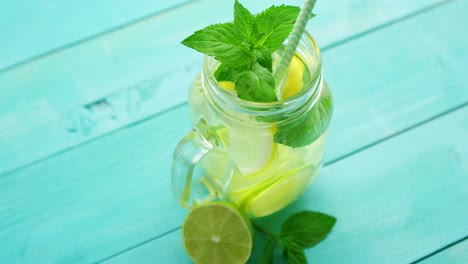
(82, 92)
(51, 25)
(102, 192)
(386, 199)
(457, 254)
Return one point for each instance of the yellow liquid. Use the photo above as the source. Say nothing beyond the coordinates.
(268, 175)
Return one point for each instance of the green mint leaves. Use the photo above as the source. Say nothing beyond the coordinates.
(221, 42)
(306, 229)
(245, 47)
(244, 21)
(308, 128)
(255, 84)
(300, 231)
(267, 254)
(276, 23)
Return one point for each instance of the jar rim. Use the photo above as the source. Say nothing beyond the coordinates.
(230, 101)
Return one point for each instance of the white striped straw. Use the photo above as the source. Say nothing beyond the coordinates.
(290, 49)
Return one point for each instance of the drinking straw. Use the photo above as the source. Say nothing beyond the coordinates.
(290, 49)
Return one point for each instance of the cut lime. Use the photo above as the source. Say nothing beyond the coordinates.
(217, 232)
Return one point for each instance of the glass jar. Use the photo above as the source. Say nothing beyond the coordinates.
(259, 156)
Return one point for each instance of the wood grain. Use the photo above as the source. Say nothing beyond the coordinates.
(51, 25)
(112, 193)
(84, 91)
(395, 202)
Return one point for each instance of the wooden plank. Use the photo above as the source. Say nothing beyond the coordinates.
(114, 191)
(457, 254)
(51, 25)
(390, 208)
(94, 201)
(80, 93)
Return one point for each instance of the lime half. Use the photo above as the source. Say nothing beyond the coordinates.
(216, 232)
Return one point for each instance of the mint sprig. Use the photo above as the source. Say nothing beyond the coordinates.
(248, 41)
(244, 49)
(298, 232)
(255, 84)
(306, 229)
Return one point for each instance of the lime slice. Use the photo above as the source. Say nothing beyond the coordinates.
(217, 232)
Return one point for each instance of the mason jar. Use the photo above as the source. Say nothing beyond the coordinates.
(259, 156)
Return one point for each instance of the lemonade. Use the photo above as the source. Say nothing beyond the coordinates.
(247, 165)
(260, 112)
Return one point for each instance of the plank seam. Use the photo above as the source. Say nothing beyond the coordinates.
(141, 19)
(368, 146)
(440, 250)
(139, 244)
(95, 36)
(396, 134)
(137, 122)
(386, 24)
(86, 142)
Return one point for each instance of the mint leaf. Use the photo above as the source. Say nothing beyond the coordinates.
(267, 253)
(244, 48)
(307, 129)
(293, 252)
(306, 229)
(228, 73)
(256, 85)
(263, 57)
(276, 23)
(256, 38)
(243, 20)
(222, 42)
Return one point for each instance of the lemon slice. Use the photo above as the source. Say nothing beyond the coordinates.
(251, 149)
(230, 86)
(285, 190)
(216, 232)
(242, 189)
(293, 83)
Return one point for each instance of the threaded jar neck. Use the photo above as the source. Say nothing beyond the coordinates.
(228, 105)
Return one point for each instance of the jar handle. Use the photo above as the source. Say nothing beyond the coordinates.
(190, 184)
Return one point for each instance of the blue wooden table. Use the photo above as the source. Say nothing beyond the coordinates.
(93, 100)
